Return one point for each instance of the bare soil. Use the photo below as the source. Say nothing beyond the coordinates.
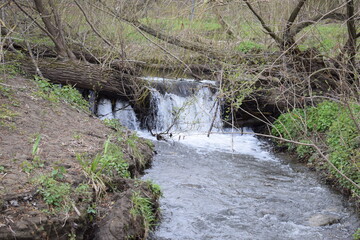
(65, 132)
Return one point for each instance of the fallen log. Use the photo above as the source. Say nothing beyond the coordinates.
(104, 81)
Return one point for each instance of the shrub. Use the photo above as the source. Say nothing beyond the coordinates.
(336, 125)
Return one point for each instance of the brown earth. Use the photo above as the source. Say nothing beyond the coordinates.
(65, 132)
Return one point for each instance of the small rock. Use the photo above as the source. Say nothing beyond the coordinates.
(323, 220)
(14, 203)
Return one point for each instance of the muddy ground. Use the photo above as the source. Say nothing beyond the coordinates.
(66, 132)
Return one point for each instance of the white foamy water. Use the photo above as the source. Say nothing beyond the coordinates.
(185, 114)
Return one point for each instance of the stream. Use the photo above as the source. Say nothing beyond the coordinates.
(228, 185)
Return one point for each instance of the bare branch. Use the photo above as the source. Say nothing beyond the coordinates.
(294, 15)
(330, 15)
(92, 26)
(267, 28)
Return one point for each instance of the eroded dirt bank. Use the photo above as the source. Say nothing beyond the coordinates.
(52, 186)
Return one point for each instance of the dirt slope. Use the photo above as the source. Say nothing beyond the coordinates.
(63, 133)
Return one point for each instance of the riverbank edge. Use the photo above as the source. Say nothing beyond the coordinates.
(66, 132)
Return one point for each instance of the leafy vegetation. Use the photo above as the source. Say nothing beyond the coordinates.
(142, 207)
(330, 122)
(7, 117)
(57, 93)
(357, 234)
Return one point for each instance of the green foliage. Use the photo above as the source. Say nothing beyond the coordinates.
(57, 93)
(112, 159)
(7, 117)
(290, 125)
(342, 139)
(27, 166)
(2, 169)
(155, 188)
(113, 123)
(237, 87)
(10, 69)
(321, 117)
(54, 193)
(104, 165)
(142, 206)
(304, 151)
(356, 235)
(249, 46)
(35, 148)
(337, 124)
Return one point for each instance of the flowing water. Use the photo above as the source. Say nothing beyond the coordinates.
(228, 185)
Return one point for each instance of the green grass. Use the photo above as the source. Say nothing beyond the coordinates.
(142, 207)
(327, 38)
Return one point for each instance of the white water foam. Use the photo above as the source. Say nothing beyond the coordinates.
(104, 109)
(185, 114)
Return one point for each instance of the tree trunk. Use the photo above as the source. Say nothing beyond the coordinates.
(55, 32)
(105, 81)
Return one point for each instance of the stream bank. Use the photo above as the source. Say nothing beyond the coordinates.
(47, 191)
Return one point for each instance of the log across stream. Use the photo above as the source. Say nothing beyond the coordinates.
(229, 185)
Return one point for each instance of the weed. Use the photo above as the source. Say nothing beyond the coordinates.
(113, 123)
(77, 136)
(54, 193)
(356, 235)
(10, 69)
(2, 169)
(142, 206)
(107, 164)
(57, 93)
(249, 46)
(7, 117)
(155, 188)
(35, 148)
(58, 172)
(27, 166)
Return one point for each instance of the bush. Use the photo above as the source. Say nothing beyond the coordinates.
(336, 125)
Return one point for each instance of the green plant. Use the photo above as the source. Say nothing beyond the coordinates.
(335, 124)
(58, 172)
(344, 150)
(104, 165)
(321, 117)
(54, 193)
(290, 125)
(142, 206)
(356, 235)
(2, 169)
(249, 46)
(113, 123)
(7, 117)
(304, 151)
(57, 93)
(27, 166)
(155, 188)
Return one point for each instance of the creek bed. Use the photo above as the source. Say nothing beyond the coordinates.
(223, 188)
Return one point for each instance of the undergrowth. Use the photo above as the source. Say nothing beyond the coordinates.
(60, 195)
(142, 207)
(57, 93)
(332, 126)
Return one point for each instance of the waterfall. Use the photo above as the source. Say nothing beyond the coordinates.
(175, 106)
(126, 115)
(193, 113)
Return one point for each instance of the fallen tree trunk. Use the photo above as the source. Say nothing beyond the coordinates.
(105, 81)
